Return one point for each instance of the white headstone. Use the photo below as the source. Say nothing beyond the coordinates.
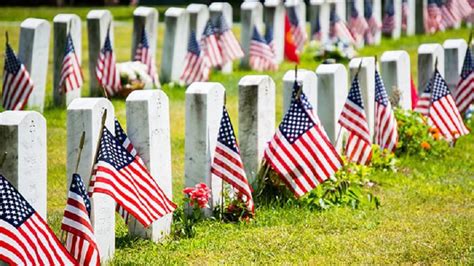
(454, 53)
(145, 17)
(332, 94)
(319, 11)
(377, 13)
(411, 19)
(24, 150)
(204, 106)
(274, 17)
(308, 79)
(217, 9)
(367, 86)
(85, 115)
(64, 23)
(427, 55)
(148, 127)
(33, 52)
(340, 6)
(251, 15)
(395, 68)
(256, 120)
(397, 30)
(98, 22)
(175, 44)
(198, 16)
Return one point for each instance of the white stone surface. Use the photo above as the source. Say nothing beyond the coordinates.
(198, 16)
(148, 127)
(367, 86)
(85, 115)
(224, 8)
(411, 18)
(23, 135)
(204, 106)
(256, 120)
(427, 55)
(98, 22)
(145, 17)
(33, 52)
(274, 17)
(395, 67)
(64, 23)
(319, 10)
(332, 94)
(377, 13)
(397, 31)
(175, 44)
(251, 15)
(454, 53)
(308, 79)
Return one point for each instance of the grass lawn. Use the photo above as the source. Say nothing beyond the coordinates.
(427, 207)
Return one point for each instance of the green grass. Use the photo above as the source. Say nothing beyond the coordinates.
(427, 207)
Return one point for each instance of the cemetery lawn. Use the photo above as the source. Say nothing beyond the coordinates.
(427, 210)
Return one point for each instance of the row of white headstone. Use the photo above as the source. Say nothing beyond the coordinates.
(23, 151)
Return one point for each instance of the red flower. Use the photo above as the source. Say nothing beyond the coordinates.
(200, 193)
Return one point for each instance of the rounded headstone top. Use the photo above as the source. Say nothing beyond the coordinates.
(66, 17)
(175, 12)
(34, 23)
(145, 95)
(249, 80)
(428, 48)
(330, 68)
(250, 5)
(88, 103)
(316, 2)
(18, 117)
(366, 61)
(272, 3)
(455, 43)
(204, 87)
(302, 74)
(196, 8)
(220, 6)
(394, 55)
(144, 11)
(98, 13)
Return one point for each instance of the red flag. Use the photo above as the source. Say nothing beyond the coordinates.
(414, 94)
(291, 51)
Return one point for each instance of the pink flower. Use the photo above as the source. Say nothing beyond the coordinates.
(200, 193)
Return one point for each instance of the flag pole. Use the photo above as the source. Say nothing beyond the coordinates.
(81, 146)
(222, 183)
(6, 37)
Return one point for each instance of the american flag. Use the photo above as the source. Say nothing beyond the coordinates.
(228, 44)
(443, 111)
(106, 69)
(405, 8)
(357, 24)
(71, 74)
(359, 146)
(126, 179)
(269, 38)
(261, 56)
(196, 65)
(374, 25)
(460, 9)
(25, 238)
(465, 88)
(228, 164)
(432, 17)
(300, 151)
(298, 28)
(80, 238)
(17, 84)
(447, 19)
(338, 29)
(210, 45)
(143, 54)
(386, 134)
(424, 101)
(388, 21)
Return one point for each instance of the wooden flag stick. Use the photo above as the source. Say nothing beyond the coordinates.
(358, 69)
(338, 137)
(81, 146)
(6, 37)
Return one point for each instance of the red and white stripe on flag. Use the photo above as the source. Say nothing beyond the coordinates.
(386, 130)
(71, 75)
(143, 55)
(106, 69)
(25, 238)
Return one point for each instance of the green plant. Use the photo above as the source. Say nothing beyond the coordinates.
(269, 189)
(416, 137)
(383, 159)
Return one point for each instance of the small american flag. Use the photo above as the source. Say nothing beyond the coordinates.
(261, 56)
(269, 38)
(357, 24)
(300, 151)
(17, 84)
(144, 55)
(424, 101)
(460, 9)
(126, 179)
(386, 134)
(388, 21)
(80, 238)
(465, 87)
(359, 146)
(433, 17)
(405, 9)
(25, 237)
(228, 44)
(228, 164)
(443, 111)
(374, 24)
(196, 65)
(447, 19)
(71, 74)
(298, 28)
(106, 69)
(338, 29)
(210, 45)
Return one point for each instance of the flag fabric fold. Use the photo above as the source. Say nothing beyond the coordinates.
(297, 28)
(464, 95)
(229, 46)
(196, 64)
(338, 30)
(71, 75)
(357, 24)
(106, 69)
(210, 45)
(261, 54)
(143, 54)
(386, 131)
(388, 21)
(374, 25)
